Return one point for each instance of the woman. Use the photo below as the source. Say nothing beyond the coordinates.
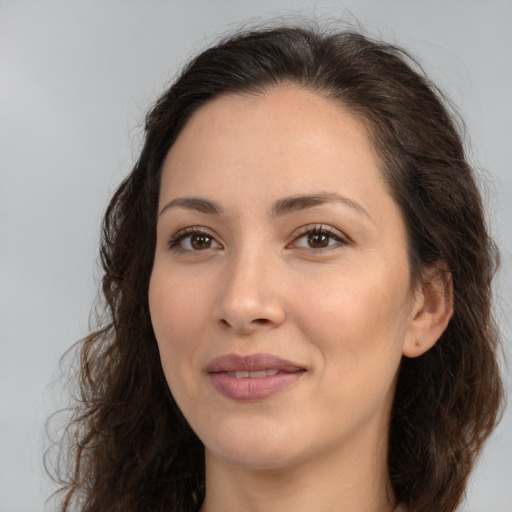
(298, 281)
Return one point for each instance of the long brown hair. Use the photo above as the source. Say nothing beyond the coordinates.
(129, 447)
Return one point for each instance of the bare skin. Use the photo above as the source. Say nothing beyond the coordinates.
(277, 236)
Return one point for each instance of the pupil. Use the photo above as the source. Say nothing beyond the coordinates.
(317, 240)
(200, 242)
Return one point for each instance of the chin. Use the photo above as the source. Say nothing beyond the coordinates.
(257, 447)
(267, 458)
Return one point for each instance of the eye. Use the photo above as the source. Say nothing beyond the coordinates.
(318, 238)
(193, 239)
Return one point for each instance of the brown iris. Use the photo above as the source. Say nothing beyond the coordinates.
(318, 240)
(199, 242)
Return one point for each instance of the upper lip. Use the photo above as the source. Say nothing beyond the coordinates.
(251, 363)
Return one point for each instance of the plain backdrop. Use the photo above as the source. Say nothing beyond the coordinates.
(76, 78)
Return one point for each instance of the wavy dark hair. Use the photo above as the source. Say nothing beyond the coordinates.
(128, 446)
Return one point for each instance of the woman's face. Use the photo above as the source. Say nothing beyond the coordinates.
(280, 295)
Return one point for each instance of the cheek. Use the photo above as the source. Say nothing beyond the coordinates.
(354, 303)
(358, 322)
(175, 311)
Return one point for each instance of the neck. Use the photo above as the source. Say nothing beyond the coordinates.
(352, 481)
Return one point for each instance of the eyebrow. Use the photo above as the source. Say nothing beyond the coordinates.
(301, 202)
(280, 208)
(193, 203)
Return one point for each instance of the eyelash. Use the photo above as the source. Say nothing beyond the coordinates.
(320, 229)
(180, 236)
(174, 242)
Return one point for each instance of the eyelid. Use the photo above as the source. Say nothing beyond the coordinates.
(341, 238)
(182, 234)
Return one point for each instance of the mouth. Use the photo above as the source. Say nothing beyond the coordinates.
(253, 364)
(254, 377)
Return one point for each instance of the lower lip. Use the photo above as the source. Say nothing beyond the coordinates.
(247, 389)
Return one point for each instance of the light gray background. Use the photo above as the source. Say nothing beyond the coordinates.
(75, 80)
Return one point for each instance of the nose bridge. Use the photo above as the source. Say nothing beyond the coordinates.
(249, 297)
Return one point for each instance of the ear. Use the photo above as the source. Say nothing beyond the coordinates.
(432, 310)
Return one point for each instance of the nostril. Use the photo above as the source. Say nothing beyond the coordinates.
(225, 324)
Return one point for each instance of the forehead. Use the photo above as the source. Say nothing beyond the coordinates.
(285, 135)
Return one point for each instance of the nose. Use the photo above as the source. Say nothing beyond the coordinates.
(250, 297)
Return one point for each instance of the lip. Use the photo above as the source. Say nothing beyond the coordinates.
(222, 375)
